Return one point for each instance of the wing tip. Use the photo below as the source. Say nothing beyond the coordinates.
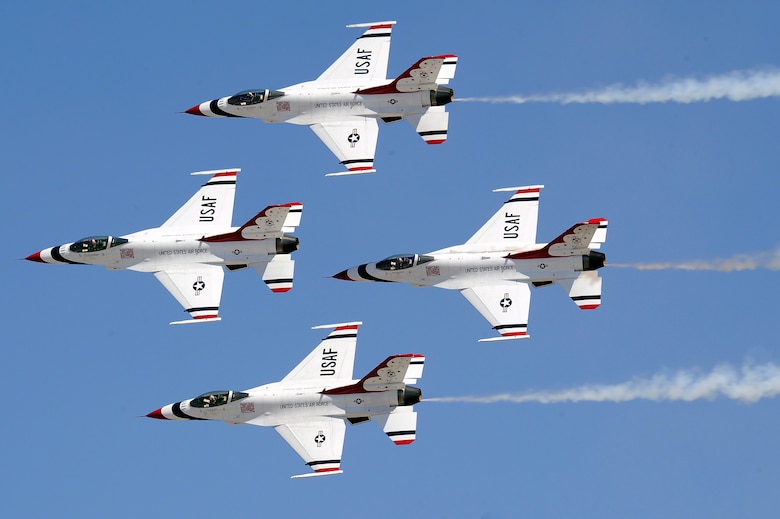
(504, 338)
(196, 320)
(349, 324)
(319, 473)
(351, 172)
(372, 25)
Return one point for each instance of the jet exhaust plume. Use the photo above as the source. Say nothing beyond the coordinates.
(738, 85)
(749, 384)
(760, 260)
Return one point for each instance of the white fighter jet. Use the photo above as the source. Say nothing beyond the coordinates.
(309, 406)
(343, 105)
(496, 267)
(187, 253)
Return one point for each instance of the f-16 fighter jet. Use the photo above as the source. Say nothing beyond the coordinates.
(343, 105)
(496, 267)
(309, 406)
(187, 253)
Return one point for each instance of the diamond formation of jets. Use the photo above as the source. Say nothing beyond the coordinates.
(187, 253)
(344, 104)
(309, 406)
(496, 267)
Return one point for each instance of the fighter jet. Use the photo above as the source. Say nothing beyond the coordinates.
(496, 268)
(343, 105)
(309, 406)
(187, 253)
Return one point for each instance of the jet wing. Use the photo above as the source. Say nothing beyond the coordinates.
(211, 208)
(352, 141)
(504, 306)
(319, 443)
(365, 61)
(514, 224)
(198, 288)
(334, 357)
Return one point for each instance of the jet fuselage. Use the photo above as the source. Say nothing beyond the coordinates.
(154, 249)
(453, 269)
(311, 102)
(283, 403)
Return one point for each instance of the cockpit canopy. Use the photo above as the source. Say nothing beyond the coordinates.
(253, 97)
(217, 398)
(402, 261)
(96, 243)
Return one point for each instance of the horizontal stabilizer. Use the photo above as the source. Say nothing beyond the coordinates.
(400, 425)
(390, 374)
(585, 290)
(271, 222)
(423, 75)
(600, 236)
(432, 125)
(415, 369)
(577, 240)
(277, 273)
(447, 71)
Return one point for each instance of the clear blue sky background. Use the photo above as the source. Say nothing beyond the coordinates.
(93, 143)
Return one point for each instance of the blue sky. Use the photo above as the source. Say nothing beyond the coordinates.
(93, 143)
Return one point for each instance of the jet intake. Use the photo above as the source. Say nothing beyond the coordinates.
(409, 395)
(286, 244)
(594, 260)
(441, 96)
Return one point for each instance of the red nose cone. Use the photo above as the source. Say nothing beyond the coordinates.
(342, 275)
(195, 110)
(35, 257)
(157, 414)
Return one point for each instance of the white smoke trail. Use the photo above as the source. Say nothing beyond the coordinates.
(760, 260)
(748, 385)
(738, 85)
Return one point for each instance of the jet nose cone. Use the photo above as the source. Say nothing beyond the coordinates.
(157, 414)
(343, 275)
(195, 110)
(35, 257)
